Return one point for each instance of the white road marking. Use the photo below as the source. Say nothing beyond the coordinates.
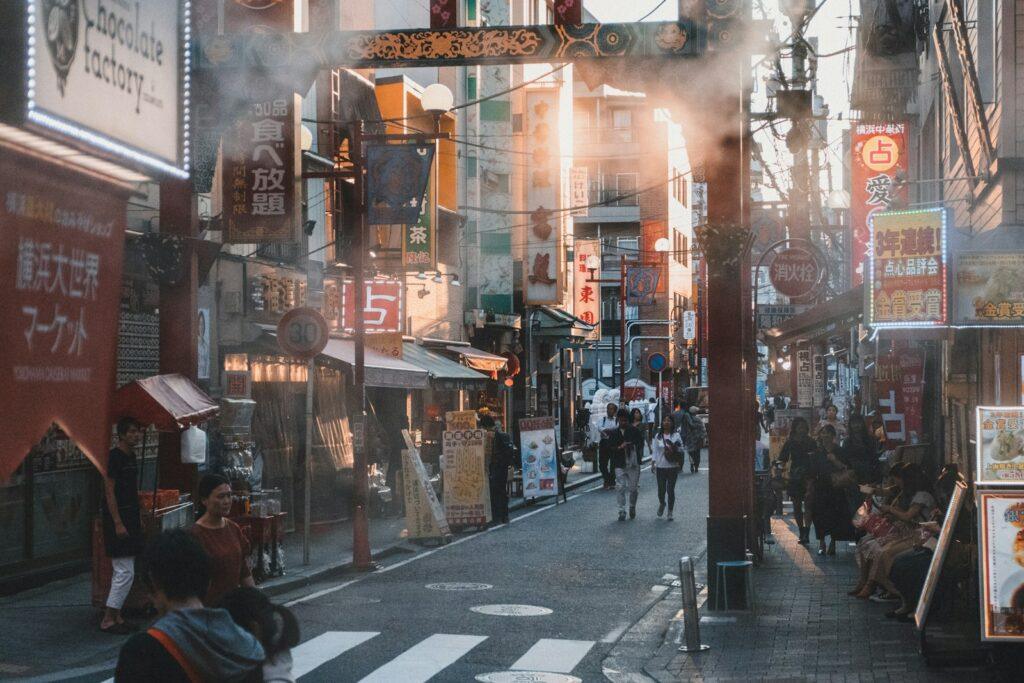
(321, 593)
(425, 660)
(555, 655)
(616, 633)
(318, 651)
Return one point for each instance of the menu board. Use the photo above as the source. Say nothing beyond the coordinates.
(466, 491)
(539, 453)
(999, 454)
(424, 517)
(931, 580)
(1002, 565)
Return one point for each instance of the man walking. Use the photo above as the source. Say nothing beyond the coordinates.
(694, 435)
(626, 443)
(607, 425)
(122, 522)
(502, 457)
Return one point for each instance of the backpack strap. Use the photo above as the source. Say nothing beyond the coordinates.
(174, 651)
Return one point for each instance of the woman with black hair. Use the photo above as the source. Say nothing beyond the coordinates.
(273, 625)
(861, 450)
(799, 451)
(222, 539)
(830, 479)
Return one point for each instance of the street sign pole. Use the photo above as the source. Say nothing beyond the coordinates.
(310, 372)
(660, 399)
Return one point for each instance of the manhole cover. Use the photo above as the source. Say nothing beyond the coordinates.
(459, 586)
(511, 610)
(526, 677)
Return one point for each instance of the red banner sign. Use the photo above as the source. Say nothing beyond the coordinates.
(382, 306)
(899, 388)
(879, 170)
(60, 260)
(795, 272)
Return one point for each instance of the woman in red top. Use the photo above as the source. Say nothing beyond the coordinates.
(222, 539)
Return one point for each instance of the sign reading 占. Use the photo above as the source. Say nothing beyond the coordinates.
(879, 169)
(908, 269)
(899, 386)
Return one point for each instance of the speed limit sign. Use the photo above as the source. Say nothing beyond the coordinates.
(302, 332)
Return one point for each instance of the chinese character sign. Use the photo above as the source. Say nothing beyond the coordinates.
(990, 288)
(466, 493)
(1000, 446)
(899, 386)
(879, 169)
(259, 174)
(60, 265)
(382, 306)
(795, 272)
(587, 295)
(543, 267)
(419, 239)
(804, 379)
(908, 269)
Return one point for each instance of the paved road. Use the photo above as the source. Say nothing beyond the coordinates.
(595, 574)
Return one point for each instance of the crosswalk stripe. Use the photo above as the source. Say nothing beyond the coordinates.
(554, 655)
(425, 659)
(318, 651)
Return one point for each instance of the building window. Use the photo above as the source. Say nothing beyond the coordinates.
(680, 188)
(471, 165)
(680, 248)
(622, 118)
(495, 110)
(471, 10)
(470, 88)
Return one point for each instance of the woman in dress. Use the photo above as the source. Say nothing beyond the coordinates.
(798, 452)
(222, 539)
(861, 450)
(667, 452)
(828, 494)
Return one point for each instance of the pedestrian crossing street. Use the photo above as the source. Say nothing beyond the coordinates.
(431, 656)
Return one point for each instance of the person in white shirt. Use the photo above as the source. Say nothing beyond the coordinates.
(667, 453)
(606, 425)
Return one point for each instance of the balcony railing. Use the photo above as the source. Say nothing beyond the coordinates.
(605, 135)
(612, 197)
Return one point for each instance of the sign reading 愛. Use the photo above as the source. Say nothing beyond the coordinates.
(1001, 521)
(539, 455)
(110, 72)
(990, 288)
(908, 269)
(543, 267)
(899, 386)
(466, 492)
(587, 295)
(382, 306)
(60, 265)
(879, 170)
(795, 272)
(302, 332)
(999, 453)
(689, 325)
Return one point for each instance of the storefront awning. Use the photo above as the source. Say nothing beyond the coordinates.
(381, 370)
(168, 402)
(444, 374)
(554, 322)
(824, 319)
(479, 360)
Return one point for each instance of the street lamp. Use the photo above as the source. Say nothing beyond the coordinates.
(661, 245)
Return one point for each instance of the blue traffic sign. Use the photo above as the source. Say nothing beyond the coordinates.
(657, 362)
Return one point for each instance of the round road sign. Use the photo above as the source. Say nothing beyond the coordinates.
(302, 332)
(795, 272)
(657, 362)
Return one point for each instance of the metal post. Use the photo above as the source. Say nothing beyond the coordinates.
(659, 399)
(310, 373)
(691, 618)
(622, 339)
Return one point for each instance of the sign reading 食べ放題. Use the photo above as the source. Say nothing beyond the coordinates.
(108, 73)
(907, 277)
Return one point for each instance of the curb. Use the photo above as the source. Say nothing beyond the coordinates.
(287, 584)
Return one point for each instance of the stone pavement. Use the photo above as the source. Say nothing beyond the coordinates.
(805, 628)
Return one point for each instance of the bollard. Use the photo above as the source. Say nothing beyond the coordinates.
(691, 619)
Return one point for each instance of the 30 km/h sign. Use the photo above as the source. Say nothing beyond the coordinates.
(302, 332)
(795, 272)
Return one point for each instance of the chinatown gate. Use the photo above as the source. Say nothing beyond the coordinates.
(698, 62)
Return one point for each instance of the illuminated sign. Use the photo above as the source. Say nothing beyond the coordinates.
(999, 451)
(878, 173)
(587, 295)
(907, 275)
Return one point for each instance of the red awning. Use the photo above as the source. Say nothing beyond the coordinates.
(171, 403)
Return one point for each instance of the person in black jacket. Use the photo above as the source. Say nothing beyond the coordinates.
(626, 445)
(799, 451)
(502, 457)
(122, 522)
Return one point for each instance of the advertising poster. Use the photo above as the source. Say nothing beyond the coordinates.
(424, 517)
(908, 269)
(878, 160)
(466, 492)
(540, 458)
(999, 454)
(1002, 565)
(939, 551)
(587, 295)
(899, 385)
(804, 379)
(990, 289)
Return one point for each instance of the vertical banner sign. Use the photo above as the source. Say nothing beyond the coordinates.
(382, 306)
(60, 264)
(579, 190)
(419, 239)
(467, 499)
(424, 516)
(689, 325)
(641, 285)
(396, 179)
(899, 386)
(879, 173)
(990, 288)
(804, 379)
(819, 379)
(1002, 565)
(540, 460)
(543, 268)
(586, 296)
(999, 455)
(908, 269)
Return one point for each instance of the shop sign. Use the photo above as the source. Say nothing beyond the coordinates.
(274, 292)
(879, 170)
(419, 240)
(908, 269)
(804, 379)
(990, 288)
(110, 75)
(60, 264)
(460, 419)
(1002, 565)
(382, 306)
(579, 191)
(396, 180)
(424, 516)
(899, 388)
(543, 267)
(467, 499)
(999, 453)
(773, 315)
(540, 459)
(331, 307)
(641, 285)
(795, 272)
(819, 379)
(587, 295)
(386, 343)
(689, 325)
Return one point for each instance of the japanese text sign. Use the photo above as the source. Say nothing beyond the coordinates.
(586, 295)
(689, 325)
(804, 379)
(1001, 521)
(899, 386)
(990, 288)
(419, 240)
(579, 190)
(879, 169)
(908, 269)
(540, 460)
(60, 262)
(1000, 446)
(466, 492)
(795, 272)
(543, 267)
(382, 306)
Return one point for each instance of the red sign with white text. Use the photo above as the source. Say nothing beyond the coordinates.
(382, 306)
(880, 158)
(60, 265)
(899, 386)
(795, 272)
